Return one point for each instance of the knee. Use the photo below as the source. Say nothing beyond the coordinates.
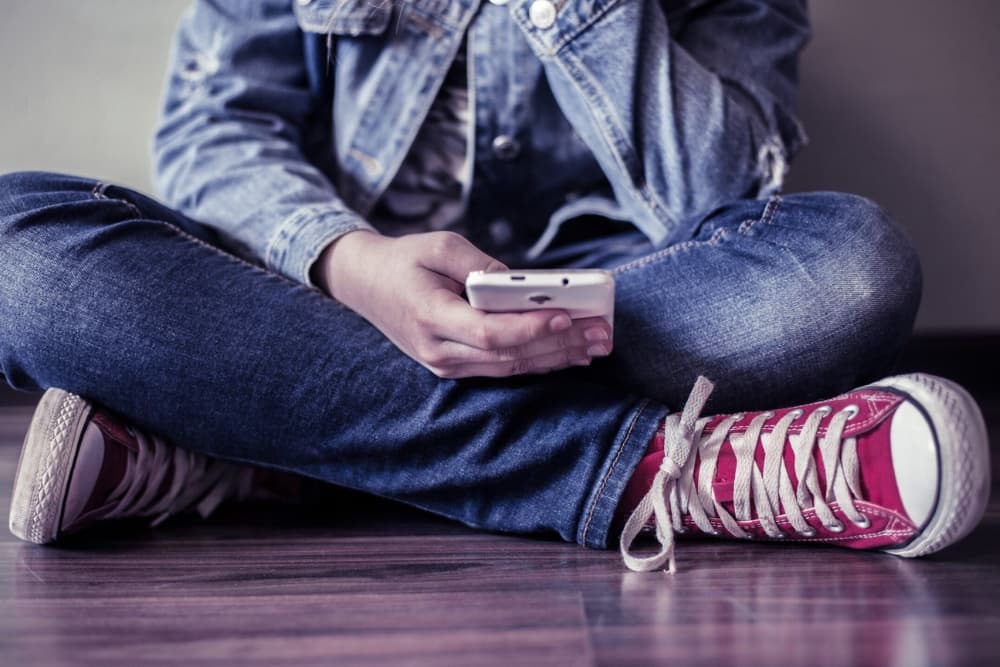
(846, 292)
(14, 183)
(15, 187)
(869, 286)
(873, 267)
(31, 251)
(24, 192)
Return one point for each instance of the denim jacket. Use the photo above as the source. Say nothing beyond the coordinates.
(284, 121)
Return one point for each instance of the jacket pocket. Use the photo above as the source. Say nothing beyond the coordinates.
(344, 17)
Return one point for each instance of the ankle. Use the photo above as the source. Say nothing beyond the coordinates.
(642, 478)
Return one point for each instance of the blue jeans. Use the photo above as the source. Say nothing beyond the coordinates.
(111, 295)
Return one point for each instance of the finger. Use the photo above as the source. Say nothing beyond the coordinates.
(597, 329)
(579, 337)
(455, 256)
(456, 320)
(530, 366)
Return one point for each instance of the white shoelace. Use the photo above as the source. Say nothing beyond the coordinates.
(198, 482)
(673, 493)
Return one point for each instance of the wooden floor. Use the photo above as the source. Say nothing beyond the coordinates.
(372, 583)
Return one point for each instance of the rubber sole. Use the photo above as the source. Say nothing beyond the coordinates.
(44, 468)
(963, 455)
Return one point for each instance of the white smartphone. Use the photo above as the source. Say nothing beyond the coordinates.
(580, 292)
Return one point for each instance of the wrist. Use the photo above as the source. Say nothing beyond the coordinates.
(335, 270)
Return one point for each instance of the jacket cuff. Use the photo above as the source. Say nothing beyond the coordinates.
(302, 237)
(550, 24)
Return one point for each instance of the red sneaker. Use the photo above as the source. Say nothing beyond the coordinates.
(901, 465)
(80, 464)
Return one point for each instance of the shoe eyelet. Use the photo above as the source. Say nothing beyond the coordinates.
(835, 527)
(130, 431)
(778, 535)
(864, 523)
(808, 532)
(796, 413)
(851, 411)
(824, 410)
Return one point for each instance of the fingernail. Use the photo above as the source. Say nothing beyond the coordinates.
(560, 323)
(582, 362)
(597, 351)
(595, 335)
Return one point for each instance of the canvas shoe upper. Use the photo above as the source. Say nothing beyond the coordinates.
(81, 464)
(901, 465)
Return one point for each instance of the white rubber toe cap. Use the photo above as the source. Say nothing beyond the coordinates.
(963, 455)
(915, 461)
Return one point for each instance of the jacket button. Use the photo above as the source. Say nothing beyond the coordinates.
(506, 147)
(501, 232)
(542, 13)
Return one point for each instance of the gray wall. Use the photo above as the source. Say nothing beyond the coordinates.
(900, 99)
(80, 85)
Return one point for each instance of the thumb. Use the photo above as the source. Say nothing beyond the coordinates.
(456, 257)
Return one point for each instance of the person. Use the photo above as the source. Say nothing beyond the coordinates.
(332, 172)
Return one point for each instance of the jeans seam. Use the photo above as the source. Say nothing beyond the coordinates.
(570, 36)
(238, 260)
(607, 475)
(100, 193)
(766, 217)
(715, 239)
(580, 29)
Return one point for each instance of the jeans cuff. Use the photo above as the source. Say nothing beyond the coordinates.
(631, 443)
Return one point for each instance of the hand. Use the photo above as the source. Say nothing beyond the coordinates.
(410, 289)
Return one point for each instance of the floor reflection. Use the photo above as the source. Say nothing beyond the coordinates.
(776, 607)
